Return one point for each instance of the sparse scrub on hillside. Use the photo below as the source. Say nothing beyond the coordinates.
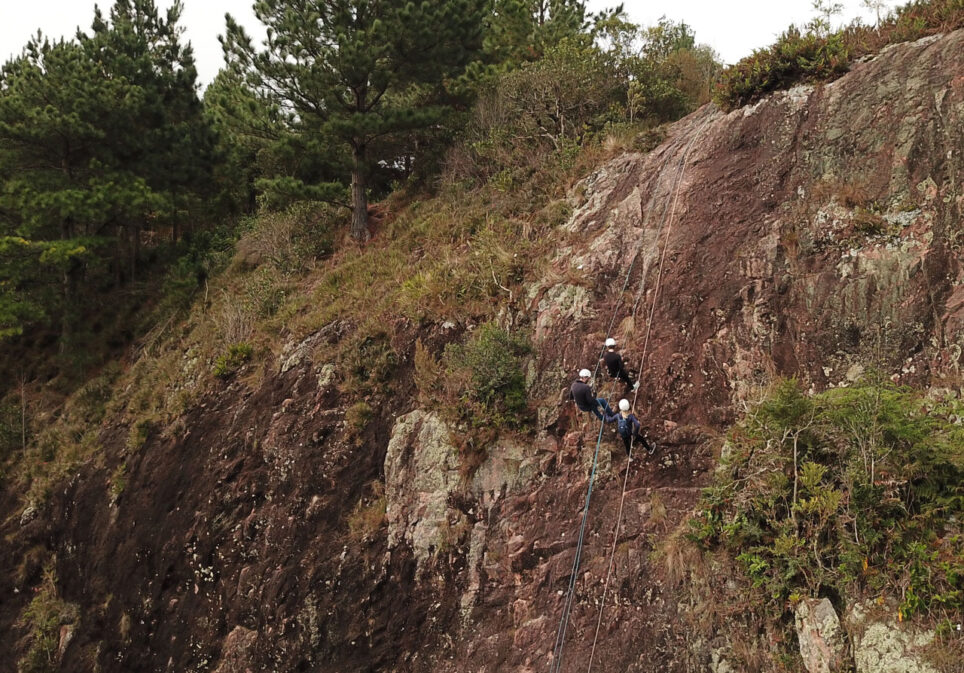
(12, 427)
(369, 362)
(357, 418)
(854, 492)
(43, 619)
(63, 440)
(368, 515)
(233, 359)
(809, 56)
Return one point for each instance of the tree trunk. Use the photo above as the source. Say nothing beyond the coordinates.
(135, 249)
(359, 198)
(175, 229)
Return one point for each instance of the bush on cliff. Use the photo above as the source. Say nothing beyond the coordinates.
(487, 370)
(806, 57)
(855, 491)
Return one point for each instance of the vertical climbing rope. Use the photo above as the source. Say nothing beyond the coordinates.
(556, 662)
(642, 360)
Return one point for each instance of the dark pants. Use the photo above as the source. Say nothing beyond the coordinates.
(625, 377)
(600, 401)
(628, 440)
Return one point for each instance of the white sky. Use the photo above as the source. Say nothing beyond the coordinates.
(733, 28)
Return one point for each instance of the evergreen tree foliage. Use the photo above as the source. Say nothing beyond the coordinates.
(101, 137)
(246, 127)
(521, 30)
(350, 74)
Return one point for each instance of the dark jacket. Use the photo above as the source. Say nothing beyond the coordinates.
(628, 429)
(614, 363)
(583, 396)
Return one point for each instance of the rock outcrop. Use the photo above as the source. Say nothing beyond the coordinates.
(815, 234)
(823, 643)
(421, 473)
(885, 647)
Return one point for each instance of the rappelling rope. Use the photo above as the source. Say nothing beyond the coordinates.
(642, 360)
(556, 663)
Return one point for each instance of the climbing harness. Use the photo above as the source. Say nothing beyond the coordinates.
(556, 662)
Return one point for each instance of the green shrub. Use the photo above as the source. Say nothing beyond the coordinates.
(230, 362)
(264, 292)
(798, 58)
(43, 618)
(139, 433)
(795, 58)
(488, 369)
(856, 489)
(199, 257)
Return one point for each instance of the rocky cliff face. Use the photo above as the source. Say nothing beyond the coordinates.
(815, 234)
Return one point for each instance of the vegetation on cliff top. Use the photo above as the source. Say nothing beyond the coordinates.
(232, 292)
(815, 54)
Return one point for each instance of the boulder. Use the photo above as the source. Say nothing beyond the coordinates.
(421, 472)
(884, 646)
(236, 651)
(823, 643)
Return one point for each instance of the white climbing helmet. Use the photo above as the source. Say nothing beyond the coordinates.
(624, 405)
(584, 373)
(610, 342)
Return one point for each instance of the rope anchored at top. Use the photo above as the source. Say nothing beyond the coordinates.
(557, 655)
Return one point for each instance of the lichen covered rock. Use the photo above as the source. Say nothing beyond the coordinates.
(823, 643)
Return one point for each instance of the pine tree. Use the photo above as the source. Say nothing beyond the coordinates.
(521, 30)
(353, 72)
(59, 195)
(170, 144)
(100, 137)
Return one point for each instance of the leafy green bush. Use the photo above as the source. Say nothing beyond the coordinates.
(854, 490)
(230, 362)
(488, 371)
(199, 257)
(795, 58)
(798, 58)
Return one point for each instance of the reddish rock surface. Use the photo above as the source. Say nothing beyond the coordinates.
(815, 234)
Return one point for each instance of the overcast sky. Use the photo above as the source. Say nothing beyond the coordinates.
(733, 28)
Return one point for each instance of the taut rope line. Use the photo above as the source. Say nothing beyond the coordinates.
(659, 276)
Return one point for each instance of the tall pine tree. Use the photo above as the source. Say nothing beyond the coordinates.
(100, 137)
(353, 72)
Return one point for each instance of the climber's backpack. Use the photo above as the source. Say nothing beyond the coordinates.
(624, 426)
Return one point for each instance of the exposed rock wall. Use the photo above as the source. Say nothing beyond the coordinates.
(816, 234)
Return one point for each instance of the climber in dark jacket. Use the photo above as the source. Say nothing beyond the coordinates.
(581, 393)
(629, 428)
(616, 366)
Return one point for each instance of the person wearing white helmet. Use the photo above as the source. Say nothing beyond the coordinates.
(581, 393)
(616, 366)
(629, 428)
